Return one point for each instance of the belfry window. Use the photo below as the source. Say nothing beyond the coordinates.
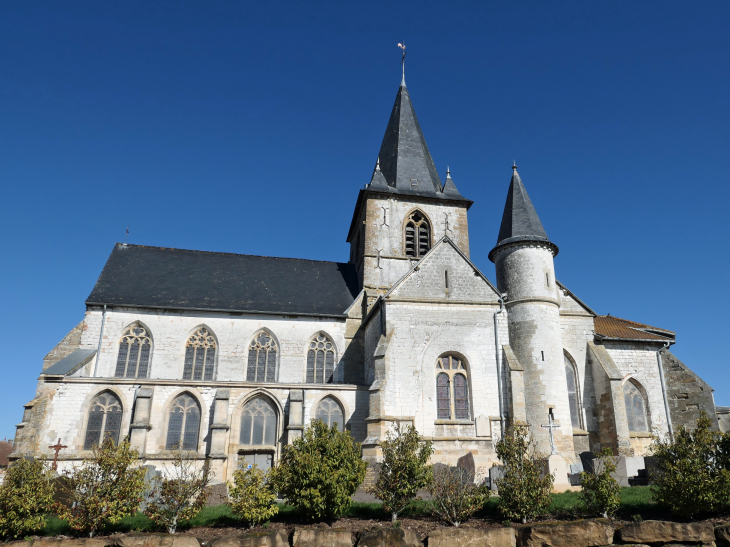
(635, 409)
(105, 420)
(452, 389)
(330, 412)
(571, 377)
(262, 354)
(200, 356)
(417, 235)
(320, 360)
(258, 423)
(184, 424)
(135, 347)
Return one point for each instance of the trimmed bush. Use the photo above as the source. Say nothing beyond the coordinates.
(320, 471)
(404, 470)
(26, 496)
(252, 499)
(523, 492)
(601, 493)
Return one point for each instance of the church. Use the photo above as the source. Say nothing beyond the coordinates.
(231, 356)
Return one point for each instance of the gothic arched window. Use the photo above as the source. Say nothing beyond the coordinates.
(418, 235)
(184, 424)
(262, 355)
(635, 408)
(135, 347)
(320, 360)
(452, 389)
(105, 420)
(571, 376)
(330, 412)
(200, 356)
(258, 423)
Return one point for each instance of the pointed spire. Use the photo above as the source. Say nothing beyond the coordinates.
(449, 190)
(519, 220)
(378, 182)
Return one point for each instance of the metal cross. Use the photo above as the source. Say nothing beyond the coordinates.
(550, 426)
(446, 223)
(57, 447)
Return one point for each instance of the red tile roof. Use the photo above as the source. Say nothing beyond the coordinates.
(606, 326)
(5, 449)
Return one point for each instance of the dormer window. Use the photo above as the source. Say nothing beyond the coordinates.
(417, 235)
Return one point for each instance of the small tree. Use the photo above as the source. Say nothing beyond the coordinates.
(320, 471)
(404, 470)
(691, 477)
(251, 496)
(455, 496)
(181, 494)
(524, 493)
(601, 493)
(26, 496)
(105, 489)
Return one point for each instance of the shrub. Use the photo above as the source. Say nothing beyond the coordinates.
(454, 495)
(690, 477)
(181, 494)
(26, 496)
(320, 471)
(251, 496)
(601, 493)
(105, 489)
(523, 492)
(404, 470)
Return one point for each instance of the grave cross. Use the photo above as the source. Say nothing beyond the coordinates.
(57, 448)
(550, 426)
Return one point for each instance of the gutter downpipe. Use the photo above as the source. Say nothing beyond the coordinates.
(664, 388)
(101, 335)
(499, 363)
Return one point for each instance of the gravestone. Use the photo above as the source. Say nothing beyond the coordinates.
(466, 462)
(586, 459)
(495, 472)
(152, 484)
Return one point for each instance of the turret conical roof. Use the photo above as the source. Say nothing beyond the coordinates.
(519, 220)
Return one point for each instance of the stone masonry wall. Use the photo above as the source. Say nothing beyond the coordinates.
(687, 393)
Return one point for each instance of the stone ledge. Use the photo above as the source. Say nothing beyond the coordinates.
(659, 531)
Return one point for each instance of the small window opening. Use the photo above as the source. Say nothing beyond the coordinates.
(543, 355)
(414, 182)
(547, 279)
(446, 279)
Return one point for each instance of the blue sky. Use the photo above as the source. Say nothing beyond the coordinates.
(249, 128)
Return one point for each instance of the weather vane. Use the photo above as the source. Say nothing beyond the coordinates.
(402, 45)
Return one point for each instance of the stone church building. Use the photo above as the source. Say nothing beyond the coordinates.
(231, 356)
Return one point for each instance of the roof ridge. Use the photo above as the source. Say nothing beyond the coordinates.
(226, 253)
(644, 325)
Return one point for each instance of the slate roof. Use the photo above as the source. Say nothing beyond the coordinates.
(71, 362)
(158, 277)
(613, 328)
(519, 220)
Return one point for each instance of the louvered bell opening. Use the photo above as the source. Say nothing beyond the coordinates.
(423, 240)
(411, 239)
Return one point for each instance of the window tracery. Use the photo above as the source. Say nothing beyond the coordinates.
(258, 423)
(452, 389)
(105, 420)
(262, 355)
(133, 359)
(417, 235)
(200, 356)
(320, 360)
(330, 412)
(184, 424)
(635, 408)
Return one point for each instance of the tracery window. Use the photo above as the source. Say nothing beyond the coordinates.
(184, 424)
(134, 353)
(262, 355)
(452, 389)
(258, 423)
(418, 235)
(200, 356)
(635, 408)
(320, 360)
(571, 377)
(105, 420)
(330, 412)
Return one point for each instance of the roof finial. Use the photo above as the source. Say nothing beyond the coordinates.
(377, 165)
(514, 166)
(448, 173)
(402, 45)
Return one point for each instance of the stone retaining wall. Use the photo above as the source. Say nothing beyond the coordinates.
(580, 533)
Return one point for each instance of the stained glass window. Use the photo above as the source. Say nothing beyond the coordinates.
(262, 355)
(258, 423)
(635, 409)
(330, 412)
(443, 396)
(200, 356)
(320, 360)
(133, 359)
(572, 380)
(417, 235)
(184, 424)
(105, 420)
(452, 389)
